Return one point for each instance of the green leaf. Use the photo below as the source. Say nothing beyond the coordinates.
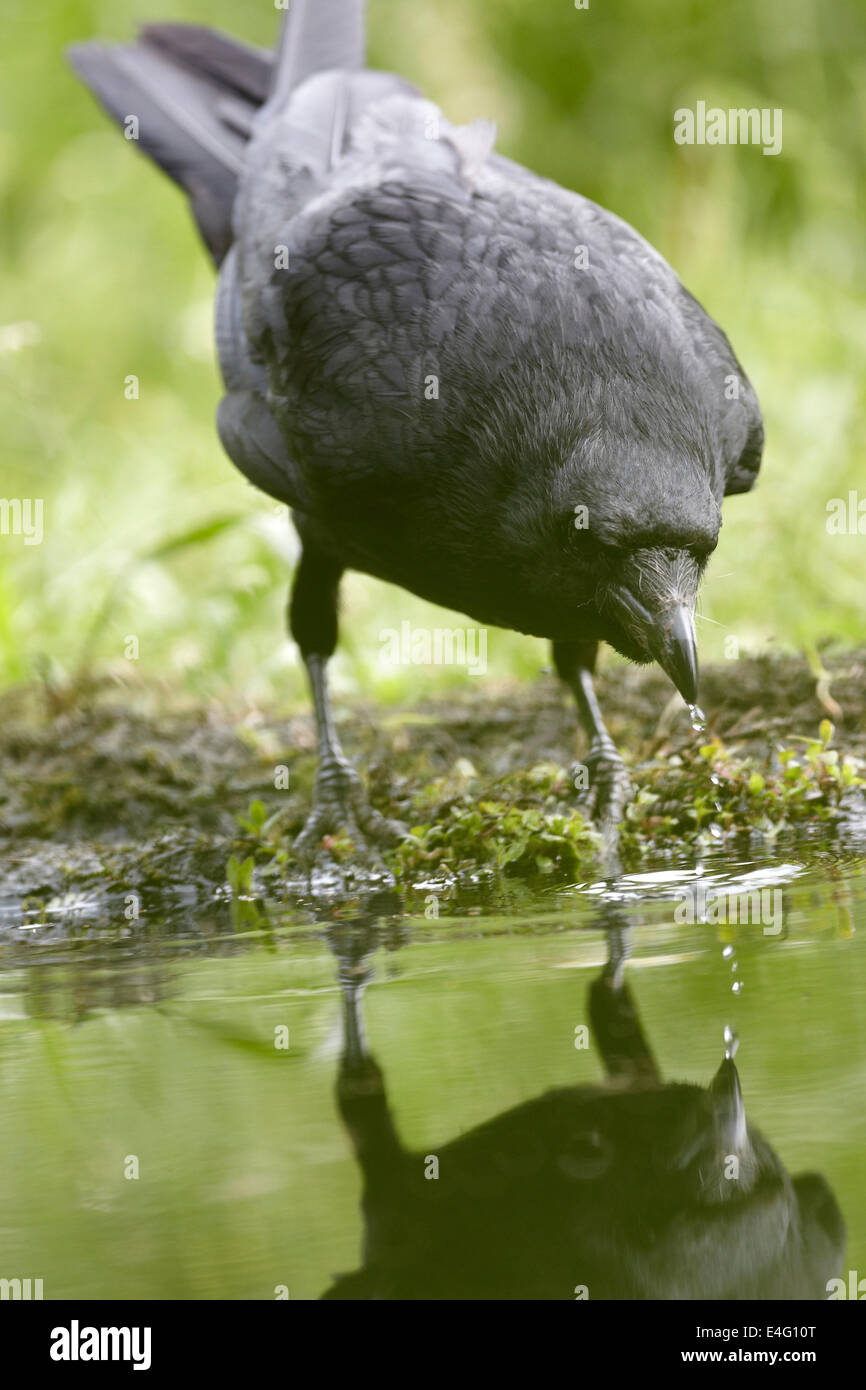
(240, 874)
(197, 535)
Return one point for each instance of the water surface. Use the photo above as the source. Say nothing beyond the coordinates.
(172, 1120)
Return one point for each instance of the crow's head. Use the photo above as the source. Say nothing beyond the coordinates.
(650, 530)
(646, 599)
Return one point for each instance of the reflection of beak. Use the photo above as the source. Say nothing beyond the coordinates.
(730, 1112)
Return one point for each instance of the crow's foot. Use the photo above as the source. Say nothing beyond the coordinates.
(340, 807)
(610, 788)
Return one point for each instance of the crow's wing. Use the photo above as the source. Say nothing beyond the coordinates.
(251, 438)
(247, 429)
(338, 239)
(290, 162)
(743, 471)
(738, 414)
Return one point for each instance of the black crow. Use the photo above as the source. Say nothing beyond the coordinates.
(462, 378)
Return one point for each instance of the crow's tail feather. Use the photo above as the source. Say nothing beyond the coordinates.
(236, 66)
(187, 96)
(317, 35)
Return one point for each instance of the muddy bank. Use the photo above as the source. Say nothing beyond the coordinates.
(113, 791)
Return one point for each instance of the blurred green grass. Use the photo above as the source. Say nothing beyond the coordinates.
(104, 277)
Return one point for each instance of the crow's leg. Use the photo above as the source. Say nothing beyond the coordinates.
(339, 802)
(609, 788)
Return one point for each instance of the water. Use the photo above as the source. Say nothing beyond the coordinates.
(697, 718)
(172, 1113)
(732, 1042)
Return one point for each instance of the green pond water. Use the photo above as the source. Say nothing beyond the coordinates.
(172, 1124)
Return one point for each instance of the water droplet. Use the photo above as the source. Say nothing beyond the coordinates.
(698, 718)
(732, 1042)
(736, 986)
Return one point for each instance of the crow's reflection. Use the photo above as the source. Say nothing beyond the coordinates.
(634, 1189)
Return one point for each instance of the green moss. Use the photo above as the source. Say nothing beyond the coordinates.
(530, 824)
(115, 793)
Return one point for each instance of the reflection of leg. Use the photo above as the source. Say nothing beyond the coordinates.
(355, 1051)
(364, 1110)
(361, 1096)
(339, 802)
(614, 1018)
(353, 943)
(609, 786)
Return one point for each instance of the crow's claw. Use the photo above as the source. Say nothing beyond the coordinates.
(340, 807)
(610, 788)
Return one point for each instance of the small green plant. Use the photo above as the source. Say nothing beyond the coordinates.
(525, 825)
(255, 820)
(240, 875)
(244, 913)
(717, 792)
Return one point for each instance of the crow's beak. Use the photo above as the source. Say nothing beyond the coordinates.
(653, 602)
(668, 637)
(672, 641)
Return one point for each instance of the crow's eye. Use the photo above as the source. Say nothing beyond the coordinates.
(592, 546)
